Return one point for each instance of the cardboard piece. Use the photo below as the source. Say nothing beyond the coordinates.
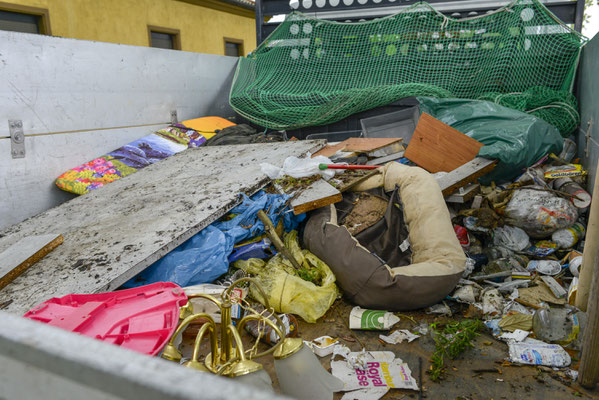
(438, 147)
(536, 294)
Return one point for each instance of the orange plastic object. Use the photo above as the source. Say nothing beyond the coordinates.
(207, 125)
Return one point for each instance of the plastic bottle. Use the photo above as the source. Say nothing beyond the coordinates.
(568, 237)
(558, 325)
(568, 151)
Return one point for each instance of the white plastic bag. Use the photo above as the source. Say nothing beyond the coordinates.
(511, 237)
(299, 168)
(539, 213)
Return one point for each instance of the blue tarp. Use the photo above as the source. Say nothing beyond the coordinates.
(204, 257)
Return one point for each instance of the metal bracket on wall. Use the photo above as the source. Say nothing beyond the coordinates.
(587, 137)
(17, 138)
(174, 118)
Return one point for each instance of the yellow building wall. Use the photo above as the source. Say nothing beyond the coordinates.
(202, 29)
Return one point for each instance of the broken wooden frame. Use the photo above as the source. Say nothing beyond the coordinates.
(465, 174)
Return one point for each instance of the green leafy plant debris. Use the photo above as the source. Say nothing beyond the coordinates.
(451, 340)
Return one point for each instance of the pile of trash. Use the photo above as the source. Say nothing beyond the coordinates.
(524, 244)
(488, 234)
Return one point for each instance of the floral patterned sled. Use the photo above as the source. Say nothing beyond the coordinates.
(140, 153)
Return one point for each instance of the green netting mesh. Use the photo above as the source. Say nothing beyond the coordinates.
(313, 72)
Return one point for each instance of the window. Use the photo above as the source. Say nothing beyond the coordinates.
(233, 47)
(164, 38)
(18, 18)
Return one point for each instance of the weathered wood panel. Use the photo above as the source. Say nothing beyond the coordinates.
(437, 147)
(114, 232)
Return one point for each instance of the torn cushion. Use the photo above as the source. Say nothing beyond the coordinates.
(437, 257)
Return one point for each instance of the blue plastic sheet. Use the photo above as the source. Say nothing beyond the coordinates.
(205, 256)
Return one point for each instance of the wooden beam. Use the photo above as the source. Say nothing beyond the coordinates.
(386, 159)
(464, 174)
(464, 194)
(588, 373)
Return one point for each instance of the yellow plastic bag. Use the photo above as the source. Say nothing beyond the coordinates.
(286, 292)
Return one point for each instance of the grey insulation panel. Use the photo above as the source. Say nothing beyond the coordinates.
(115, 232)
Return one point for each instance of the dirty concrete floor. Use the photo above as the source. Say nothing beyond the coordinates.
(461, 381)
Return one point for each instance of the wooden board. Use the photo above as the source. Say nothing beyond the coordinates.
(465, 174)
(23, 254)
(386, 159)
(357, 145)
(464, 194)
(438, 147)
(113, 233)
(350, 178)
(318, 194)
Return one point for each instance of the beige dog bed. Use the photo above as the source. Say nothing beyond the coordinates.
(437, 259)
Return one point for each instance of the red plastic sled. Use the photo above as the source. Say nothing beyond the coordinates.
(141, 319)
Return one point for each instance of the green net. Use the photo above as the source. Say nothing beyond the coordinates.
(313, 72)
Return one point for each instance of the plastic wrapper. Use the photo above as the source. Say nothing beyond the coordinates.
(286, 291)
(539, 213)
(269, 335)
(535, 352)
(511, 237)
(563, 171)
(545, 267)
(299, 168)
(568, 237)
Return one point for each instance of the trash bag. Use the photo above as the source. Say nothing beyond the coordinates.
(286, 291)
(205, 256)
(511, 237)
(539, 213)
(515, 138)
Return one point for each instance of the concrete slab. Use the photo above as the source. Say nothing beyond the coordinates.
(113, 233)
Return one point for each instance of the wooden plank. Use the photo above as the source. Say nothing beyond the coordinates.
(464, 174)
(350, 178)
(386, 159)
(367, 145)
(463, 194)
(114, 232)
(23, 254)
(438, 147)
(357, 145)
(318, 194)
